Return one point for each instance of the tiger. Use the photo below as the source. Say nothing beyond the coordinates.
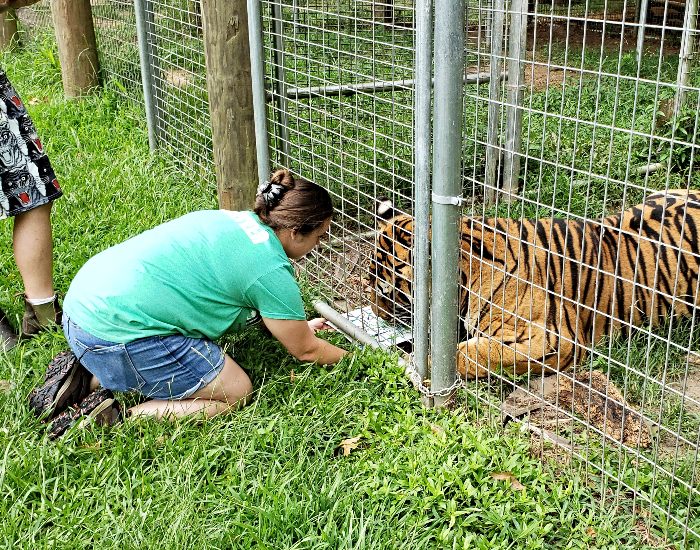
(538, 293)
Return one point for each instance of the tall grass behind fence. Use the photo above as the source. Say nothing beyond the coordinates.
(602, 128)
(174, 31)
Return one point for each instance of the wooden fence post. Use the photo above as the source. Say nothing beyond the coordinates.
(8, 29)
(230, 101)
(77, 48)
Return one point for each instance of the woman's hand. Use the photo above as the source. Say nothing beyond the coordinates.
(299, 339)
(319, 324)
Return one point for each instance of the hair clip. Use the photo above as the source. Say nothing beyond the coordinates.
(271, 193)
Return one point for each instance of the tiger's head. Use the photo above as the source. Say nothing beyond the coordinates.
(391, 269)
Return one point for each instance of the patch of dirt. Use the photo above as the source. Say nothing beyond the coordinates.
(545, 36)
(178, 78)
(690, 390)
(551, 403)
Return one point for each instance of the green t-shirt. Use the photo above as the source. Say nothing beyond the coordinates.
(200, 275)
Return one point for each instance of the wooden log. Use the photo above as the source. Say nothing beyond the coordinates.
(230, 101)
(77, 48)
(8, 30)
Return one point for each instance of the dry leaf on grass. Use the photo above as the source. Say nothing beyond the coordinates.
(437, 430)
(6, 385)
(348, 445)
(292, 377)
(507, 476)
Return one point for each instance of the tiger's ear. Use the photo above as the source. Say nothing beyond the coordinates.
(385, 211)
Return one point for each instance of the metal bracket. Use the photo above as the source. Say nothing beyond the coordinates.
(443, 199)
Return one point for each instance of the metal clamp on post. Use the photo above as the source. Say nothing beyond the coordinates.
(443, 199)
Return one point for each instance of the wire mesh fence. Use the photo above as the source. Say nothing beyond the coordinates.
(176, 62)
(580, 328)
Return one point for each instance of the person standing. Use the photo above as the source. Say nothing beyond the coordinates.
(28, 187)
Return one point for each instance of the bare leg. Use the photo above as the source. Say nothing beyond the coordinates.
(33, 248)
(227, 392)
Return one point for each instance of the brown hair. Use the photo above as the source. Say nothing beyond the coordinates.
(284, 202)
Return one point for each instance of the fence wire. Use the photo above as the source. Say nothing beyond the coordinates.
(587, 107)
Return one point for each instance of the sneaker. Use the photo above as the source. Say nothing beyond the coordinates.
(99, 407)
(66, 382)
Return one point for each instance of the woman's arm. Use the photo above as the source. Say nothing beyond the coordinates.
(13, 4)
(300, 341)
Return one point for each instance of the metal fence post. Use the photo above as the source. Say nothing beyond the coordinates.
(514, 111)
(447, 191)
(257, 75)
(690, 22)
(280, 82)
(493, 155)
(422, 131)
(643, 8)
(144, 26)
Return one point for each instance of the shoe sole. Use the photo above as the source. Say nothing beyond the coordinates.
(51, 399)
(58, 363)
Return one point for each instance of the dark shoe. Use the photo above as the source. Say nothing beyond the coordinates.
(67, 382)
(99, 407)
(8, 338)
(38, 318)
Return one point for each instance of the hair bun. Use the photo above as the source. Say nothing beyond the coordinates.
(283, 177)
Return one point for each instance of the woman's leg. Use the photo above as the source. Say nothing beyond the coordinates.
(33, 249)
(230, 390)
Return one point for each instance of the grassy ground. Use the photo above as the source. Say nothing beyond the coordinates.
(275, 475)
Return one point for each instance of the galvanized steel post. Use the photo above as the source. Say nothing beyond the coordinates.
(422, 137)
(447, 190)
(257, 73)
(144, 24)
(493, 151)
(280, 82)
(690, 23)
(514, 111)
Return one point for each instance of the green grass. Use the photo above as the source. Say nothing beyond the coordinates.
(271, 475)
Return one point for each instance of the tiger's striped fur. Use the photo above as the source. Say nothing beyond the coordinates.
(538, 293)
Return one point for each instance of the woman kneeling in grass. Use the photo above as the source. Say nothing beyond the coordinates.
(144, 315)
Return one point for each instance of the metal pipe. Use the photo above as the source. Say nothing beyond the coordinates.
(343, 324)
(421, 230)
(649, 168)
(447, 142)
(373, 87)
(514, 112)
(144, 26)
(686, 54)
(280, 84)
(494, 111)
(257, 74)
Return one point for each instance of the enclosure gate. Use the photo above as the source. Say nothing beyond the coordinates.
(575, 110)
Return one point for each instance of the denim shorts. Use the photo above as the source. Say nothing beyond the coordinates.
(159, 367)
